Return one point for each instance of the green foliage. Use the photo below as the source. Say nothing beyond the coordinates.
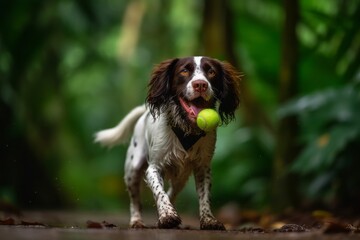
(65, 72)
(242, 173)
(330, 123)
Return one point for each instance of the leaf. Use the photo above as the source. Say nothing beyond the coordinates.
(8, 221)
(34, 224)
(322, 151)
(320, 111)
(108, 225)
(306, 104)
(337, 227)
(92, 224)
(291, 228)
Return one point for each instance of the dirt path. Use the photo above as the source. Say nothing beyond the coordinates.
(15, 233)
(76, 225)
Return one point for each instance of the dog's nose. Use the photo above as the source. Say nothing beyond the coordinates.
(200, 85)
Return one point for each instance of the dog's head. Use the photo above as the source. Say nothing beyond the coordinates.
(182, 87)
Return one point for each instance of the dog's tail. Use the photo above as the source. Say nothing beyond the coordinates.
(121, 133)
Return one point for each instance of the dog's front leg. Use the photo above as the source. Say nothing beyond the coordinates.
(203, 185)
(168, 218)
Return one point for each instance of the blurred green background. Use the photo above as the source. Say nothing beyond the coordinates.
(69, 68)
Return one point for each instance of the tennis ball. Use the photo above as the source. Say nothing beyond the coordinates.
(208, 119)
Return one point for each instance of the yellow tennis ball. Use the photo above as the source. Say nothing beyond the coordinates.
(208, 119)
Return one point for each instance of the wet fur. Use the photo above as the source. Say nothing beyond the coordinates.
(155, 151)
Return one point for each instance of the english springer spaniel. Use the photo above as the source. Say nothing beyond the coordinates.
(166, 142)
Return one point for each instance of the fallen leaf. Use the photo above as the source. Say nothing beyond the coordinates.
(108, 225)
(336, 227)
(8, 221)
(291, 228)
(26, 223)
(91, 224)
(322, 214)
(277, 225)
(252, 230)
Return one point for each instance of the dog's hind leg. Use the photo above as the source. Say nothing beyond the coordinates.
(176, 184)
(134, 171)
(203, 185)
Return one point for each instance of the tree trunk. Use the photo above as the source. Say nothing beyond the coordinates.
(212, 34)
(131, 27)
(218, 40)
(284, 185)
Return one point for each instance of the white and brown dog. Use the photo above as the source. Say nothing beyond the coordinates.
(166, 143)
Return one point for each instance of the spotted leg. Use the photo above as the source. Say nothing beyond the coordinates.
(133, 180)
(203, 185)
(135, 166)
(168, 218)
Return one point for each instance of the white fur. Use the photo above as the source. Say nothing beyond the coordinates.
(120, 133)
(198, 75)
(156, 152)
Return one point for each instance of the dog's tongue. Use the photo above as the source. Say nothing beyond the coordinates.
(190, 108)
(194, 111)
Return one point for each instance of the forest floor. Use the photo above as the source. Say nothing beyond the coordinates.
(98, 225)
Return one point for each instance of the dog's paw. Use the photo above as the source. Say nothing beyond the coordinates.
(169, 221)
(211, 224)
(137, 224)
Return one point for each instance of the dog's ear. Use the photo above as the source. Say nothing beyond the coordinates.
(159, 88)
(230, 95)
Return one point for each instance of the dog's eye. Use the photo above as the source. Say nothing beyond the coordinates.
(211, 72)
(184, 72)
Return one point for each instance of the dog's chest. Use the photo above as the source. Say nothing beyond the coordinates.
(166, 151)
(179, 162)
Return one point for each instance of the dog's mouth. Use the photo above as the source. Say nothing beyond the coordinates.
(193, 107)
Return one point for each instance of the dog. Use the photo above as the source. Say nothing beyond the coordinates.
(167, 144)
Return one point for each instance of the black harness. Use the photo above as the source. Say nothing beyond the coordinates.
(187, 141)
